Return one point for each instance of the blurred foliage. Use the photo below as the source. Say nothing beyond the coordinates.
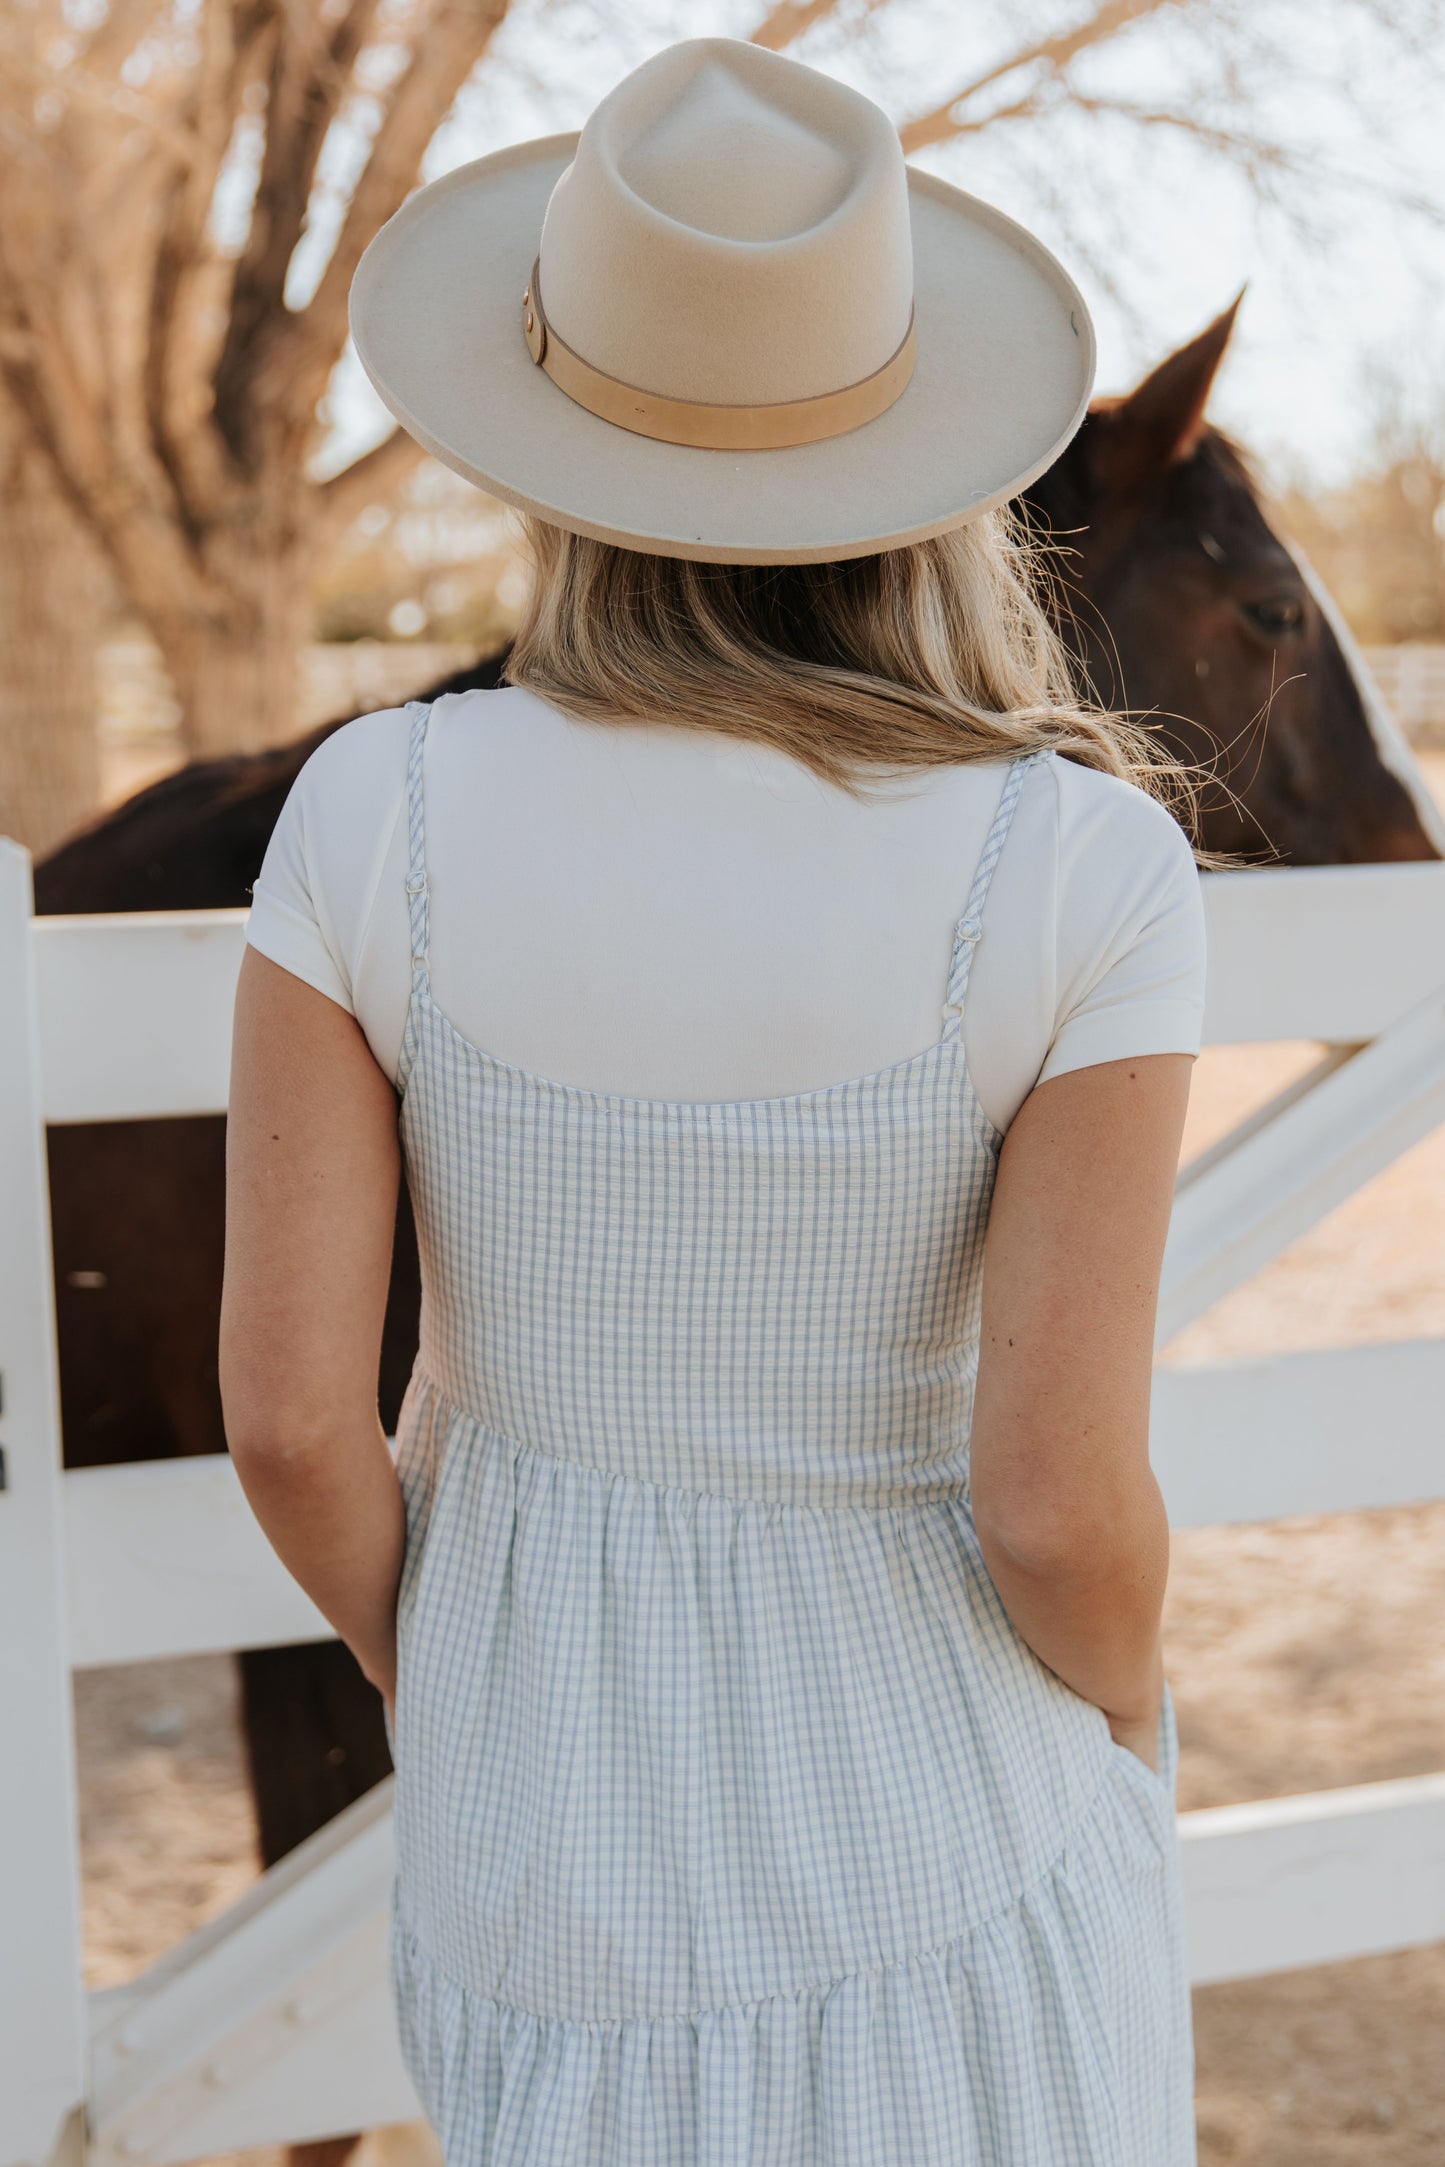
(1379, 541)
(437, 561)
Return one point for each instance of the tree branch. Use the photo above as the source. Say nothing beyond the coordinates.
(286, 375)
(233, 46)
(310, 77)
(790, 20)
(118, 33)
(374, 475)
(85, 86)
(1050, 56)
(119, 505)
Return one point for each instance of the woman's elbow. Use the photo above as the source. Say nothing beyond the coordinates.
(1084, 1537)
(1042, 1547)
(269, 1426)
(266, 1440)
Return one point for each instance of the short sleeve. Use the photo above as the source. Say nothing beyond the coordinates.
(1131, 944)
(314, 894)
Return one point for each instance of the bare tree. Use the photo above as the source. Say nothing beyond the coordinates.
(56, 597)
(1209, 75)
(167, 380)
(163, 365)
(162, 377)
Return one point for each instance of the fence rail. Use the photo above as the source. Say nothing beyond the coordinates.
(271, 2024)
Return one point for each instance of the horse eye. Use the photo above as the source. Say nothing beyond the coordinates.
(1275, 614)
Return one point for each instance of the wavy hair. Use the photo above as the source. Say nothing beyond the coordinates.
(934, 654)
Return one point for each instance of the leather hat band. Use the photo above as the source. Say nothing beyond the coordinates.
(704, 426)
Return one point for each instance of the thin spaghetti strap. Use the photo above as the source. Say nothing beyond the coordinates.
(416, 884)
(420, 713)
(970, 925)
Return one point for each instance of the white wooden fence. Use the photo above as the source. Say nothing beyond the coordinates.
(272, 2023)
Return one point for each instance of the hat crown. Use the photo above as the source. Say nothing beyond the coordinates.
(733, 229)
(725, 322)
(730, 163)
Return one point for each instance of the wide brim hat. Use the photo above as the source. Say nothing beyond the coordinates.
(725, 321)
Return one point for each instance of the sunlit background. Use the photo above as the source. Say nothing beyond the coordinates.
(1294, 148)
(1172, 151)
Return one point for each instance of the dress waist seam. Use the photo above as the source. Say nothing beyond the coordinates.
(952, 1491)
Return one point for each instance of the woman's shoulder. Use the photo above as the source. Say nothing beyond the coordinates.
(1091, 799)
(1115, 835)
(1128, 930)
(1128, 908)
(362, 765)
(369, 745)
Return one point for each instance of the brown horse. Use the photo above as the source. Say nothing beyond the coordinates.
(1184, 606)
(1178, 598)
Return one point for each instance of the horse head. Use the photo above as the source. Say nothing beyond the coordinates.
(1185, 606)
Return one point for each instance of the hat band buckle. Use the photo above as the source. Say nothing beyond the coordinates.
(703, 425)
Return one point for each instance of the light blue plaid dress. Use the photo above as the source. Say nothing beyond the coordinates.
(736, 1825)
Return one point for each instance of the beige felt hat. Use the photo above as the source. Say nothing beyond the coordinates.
(725, 321)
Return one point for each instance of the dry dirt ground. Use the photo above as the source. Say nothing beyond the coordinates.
(1302, 1654)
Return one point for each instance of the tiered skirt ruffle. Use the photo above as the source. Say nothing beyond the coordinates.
(643, 1920)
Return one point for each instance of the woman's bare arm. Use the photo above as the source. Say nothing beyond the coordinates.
(1069, 1515)
(312, 1169)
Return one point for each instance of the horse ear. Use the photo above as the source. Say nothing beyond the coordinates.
(1136, 436)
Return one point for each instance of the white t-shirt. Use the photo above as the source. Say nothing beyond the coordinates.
(667, 913)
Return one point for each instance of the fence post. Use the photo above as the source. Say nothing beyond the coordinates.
(42, 2011)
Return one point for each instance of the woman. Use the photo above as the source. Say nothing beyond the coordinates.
(791, 991)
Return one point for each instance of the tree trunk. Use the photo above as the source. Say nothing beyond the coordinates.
(57, 597)
(239, 681)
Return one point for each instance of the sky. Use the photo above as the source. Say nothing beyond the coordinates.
(1344, 308)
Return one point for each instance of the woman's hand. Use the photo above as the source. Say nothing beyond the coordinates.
(378, 1665)
(383, 1676)
(1139, 1731)
(1140, 1738)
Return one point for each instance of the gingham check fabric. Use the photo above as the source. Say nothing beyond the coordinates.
(736, 1825)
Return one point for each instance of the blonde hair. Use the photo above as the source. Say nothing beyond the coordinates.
(938, 653)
